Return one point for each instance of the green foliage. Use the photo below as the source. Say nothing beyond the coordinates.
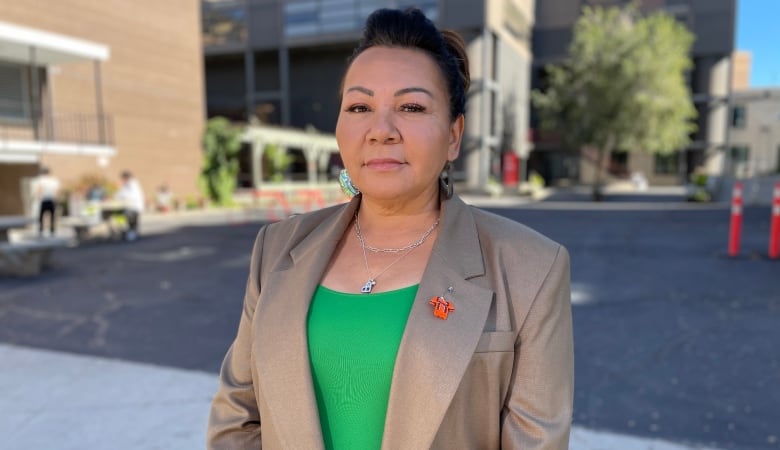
(221, 145)
(536, 180)
(622, 85)
(277, 161)
(698, 188)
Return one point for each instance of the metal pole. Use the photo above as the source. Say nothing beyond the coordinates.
(99, 103)
(249, 65)
(48, 113)
(284, 83)
(34, 93)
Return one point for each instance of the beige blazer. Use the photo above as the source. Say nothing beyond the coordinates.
(498, 373)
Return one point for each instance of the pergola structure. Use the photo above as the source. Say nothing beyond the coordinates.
(317, 148)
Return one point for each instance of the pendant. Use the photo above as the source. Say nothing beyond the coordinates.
(366, 289)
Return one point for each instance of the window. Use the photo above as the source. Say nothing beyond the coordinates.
(618, 163)
(313, 17)
(666, 164)
(223, 22)
(14, 95)
(738, 160)
(738, 116)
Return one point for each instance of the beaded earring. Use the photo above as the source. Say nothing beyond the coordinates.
(346, 184)
(445, 180)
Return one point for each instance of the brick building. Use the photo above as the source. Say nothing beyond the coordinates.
(94, 88)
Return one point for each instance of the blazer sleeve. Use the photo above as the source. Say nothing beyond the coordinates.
(538, 413)
(234, 420)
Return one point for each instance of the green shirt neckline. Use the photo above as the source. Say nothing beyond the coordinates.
(353, 342)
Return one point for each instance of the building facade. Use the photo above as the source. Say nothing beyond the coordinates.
(742, 61)
(93, 88)
(712, 23)
(281, 62)
(755, 134)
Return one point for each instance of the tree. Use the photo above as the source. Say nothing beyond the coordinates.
(622, 85)
(221, 144)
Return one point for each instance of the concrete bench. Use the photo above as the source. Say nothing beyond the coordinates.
(86, 227)
(28, 257)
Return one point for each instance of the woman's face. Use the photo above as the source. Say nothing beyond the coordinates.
(394, 129)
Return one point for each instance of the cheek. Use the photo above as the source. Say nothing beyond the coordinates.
(345, 134)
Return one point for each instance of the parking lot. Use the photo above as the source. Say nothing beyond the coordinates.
(674, 341)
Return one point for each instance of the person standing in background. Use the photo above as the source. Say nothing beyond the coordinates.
(131, 194)
(45, 189)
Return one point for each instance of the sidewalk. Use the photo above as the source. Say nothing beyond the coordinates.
(617, 196)
(60, 401)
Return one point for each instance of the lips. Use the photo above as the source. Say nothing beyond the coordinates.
(383, 163)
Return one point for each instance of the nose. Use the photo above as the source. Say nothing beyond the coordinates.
(383, 129)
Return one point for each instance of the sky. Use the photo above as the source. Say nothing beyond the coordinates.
(758, 23)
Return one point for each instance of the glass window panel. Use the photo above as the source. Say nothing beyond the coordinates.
(13, 91)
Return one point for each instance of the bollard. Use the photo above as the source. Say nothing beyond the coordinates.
(774, 229)
(735, 229)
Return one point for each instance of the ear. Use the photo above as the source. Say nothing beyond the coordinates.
(456, 136)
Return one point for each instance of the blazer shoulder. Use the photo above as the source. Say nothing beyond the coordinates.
(508, 234)
(303, 223)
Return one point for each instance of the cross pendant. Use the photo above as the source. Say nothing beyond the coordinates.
(366, 289)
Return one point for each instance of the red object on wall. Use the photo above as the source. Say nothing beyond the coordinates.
(510, 170)
(774, 229)
(735, 229)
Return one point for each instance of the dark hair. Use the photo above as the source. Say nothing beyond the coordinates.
(411, 29)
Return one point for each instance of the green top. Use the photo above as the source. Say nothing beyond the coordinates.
(353, 342)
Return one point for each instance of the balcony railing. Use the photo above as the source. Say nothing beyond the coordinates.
(73, 128)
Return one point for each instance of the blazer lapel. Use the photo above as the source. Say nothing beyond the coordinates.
(435, 353)
(282, 358)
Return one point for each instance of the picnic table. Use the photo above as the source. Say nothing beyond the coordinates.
(26, 257)
(8, 223)
(87, 218)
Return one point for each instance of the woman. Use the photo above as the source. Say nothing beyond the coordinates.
(403, 319)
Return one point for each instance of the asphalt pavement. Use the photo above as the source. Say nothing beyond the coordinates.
(118, 345)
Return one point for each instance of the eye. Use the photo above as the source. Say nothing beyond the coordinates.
(356, 108)
(412, 107)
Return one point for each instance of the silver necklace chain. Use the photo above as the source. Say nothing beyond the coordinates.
(414, 244)
(369, 285)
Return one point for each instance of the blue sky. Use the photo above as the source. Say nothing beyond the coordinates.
(758, 30)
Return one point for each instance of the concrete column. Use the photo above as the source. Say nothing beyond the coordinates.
(99, 103)
(257, 163)
(284, 85)
(249, 81)
(717, 116)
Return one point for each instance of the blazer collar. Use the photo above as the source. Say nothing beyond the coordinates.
(433, 354)
(281, 346)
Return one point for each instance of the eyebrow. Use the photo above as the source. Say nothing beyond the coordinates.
(398, 93)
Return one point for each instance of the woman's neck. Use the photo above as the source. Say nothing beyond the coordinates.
(383, 216)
